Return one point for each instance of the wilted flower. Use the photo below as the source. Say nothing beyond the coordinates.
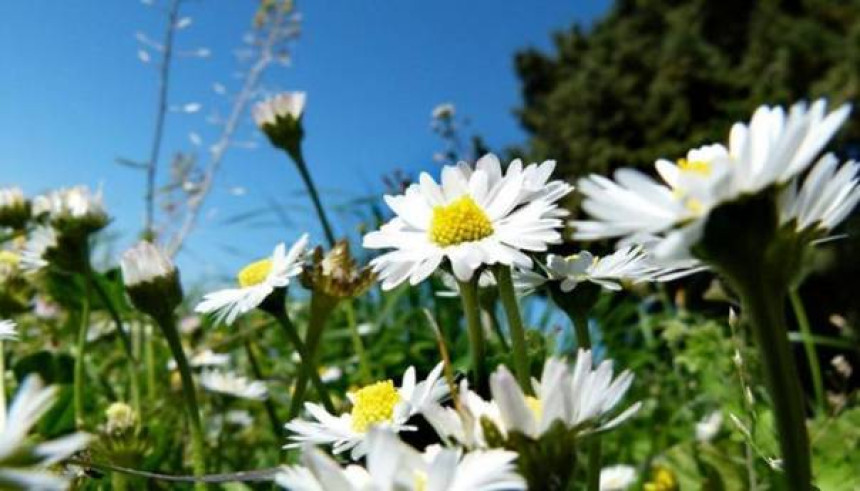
(14, 208)
(391, 464)
(72, 210)
(617, 477)
(151, 279)
(256, 282)
(280, 118)
(477, 216)
(336, 273)
(233, 384)
(378, 404)
(23, 465)
(771, 150)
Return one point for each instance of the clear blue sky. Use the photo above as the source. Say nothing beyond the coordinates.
(74, 96)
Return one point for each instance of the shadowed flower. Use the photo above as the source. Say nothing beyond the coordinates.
(391, 464)
(151, 279)
(256, 282)
(378, 404)
(475, 217)
(233, 384)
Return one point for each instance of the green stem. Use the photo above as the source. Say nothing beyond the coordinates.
(168, 328)
(594, 463)
(763, 305)
(78, 389)
(2, 386)
(149, 355)
(580, 324)
(497, 327)
(515, 322)
(363, 367)
(472, 312)
(277, 429)
(114, 314)
(299, 160)
(320, 310)
(809, 347)
(118, 481)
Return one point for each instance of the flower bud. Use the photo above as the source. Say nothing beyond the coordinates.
(72, 211)
(336, 273)
(151, 279)
(280, 118)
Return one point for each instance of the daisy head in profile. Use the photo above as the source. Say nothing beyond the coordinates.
(378, 404)
(475, 216)
(392, 464)
(257, 281)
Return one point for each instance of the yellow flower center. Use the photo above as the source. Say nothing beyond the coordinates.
(254, 273)
(697, 166)
(535, 406)
(374, 404)
(461, 221)
(420, 482)
(10, 258)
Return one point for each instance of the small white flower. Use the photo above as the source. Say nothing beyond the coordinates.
(12, 198)
(476, 216)
(145, 263)
(826, 197)
(391, 464)
(444, 111)
(31, 402)
(42, 240)
(709, 426)
(378, 404)
(8, 330)
(283, 105)
(205, 358)
(330, 374)
(74, 203)
(233, 384)
(239, 417)
(617, 477)
(256, 282)
(771, 149)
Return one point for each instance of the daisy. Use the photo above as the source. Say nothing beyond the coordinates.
(204, 359)
(233, 384)
(8, 330)
(709, 426)
(378, 404)
(630, 263)
(827, 196)
(617, 477)
(391, 464)
(256, 282)
(581, 398)
(74, 204)
(463, 423)
(281, 106)
(14, 208)
(771, 149)
(42, 241)
(145, 263)
(22, 464)
(475, 217)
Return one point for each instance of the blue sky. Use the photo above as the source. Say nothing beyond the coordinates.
(74, 97)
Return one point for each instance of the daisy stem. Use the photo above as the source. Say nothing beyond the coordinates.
(515, 322)
(809, 347)
(763, 304)
(471, 309)
(308, 371)
(149, 354)
(299, 160)
(78, 390)
(167, 323)
(258, 374)
(2, 386)
(363, 367)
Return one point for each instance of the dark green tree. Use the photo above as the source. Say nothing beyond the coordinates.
(654, 78)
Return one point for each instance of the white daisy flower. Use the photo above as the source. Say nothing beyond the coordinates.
(391, 464)
(283, 105)
(22, 464)
(233, 384)
(771, 149)
(475, 217)
(826, 197)
(11, 198)
(145, 263)
(42, 240)
(378, 404)
(581, 399)
(330, 374)
(74, 203)
(617, 477)
(204, 359)
(8, 330)
(14, 208)
(239, 417)
(256, 282)
(709, 426)
(630, 263)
